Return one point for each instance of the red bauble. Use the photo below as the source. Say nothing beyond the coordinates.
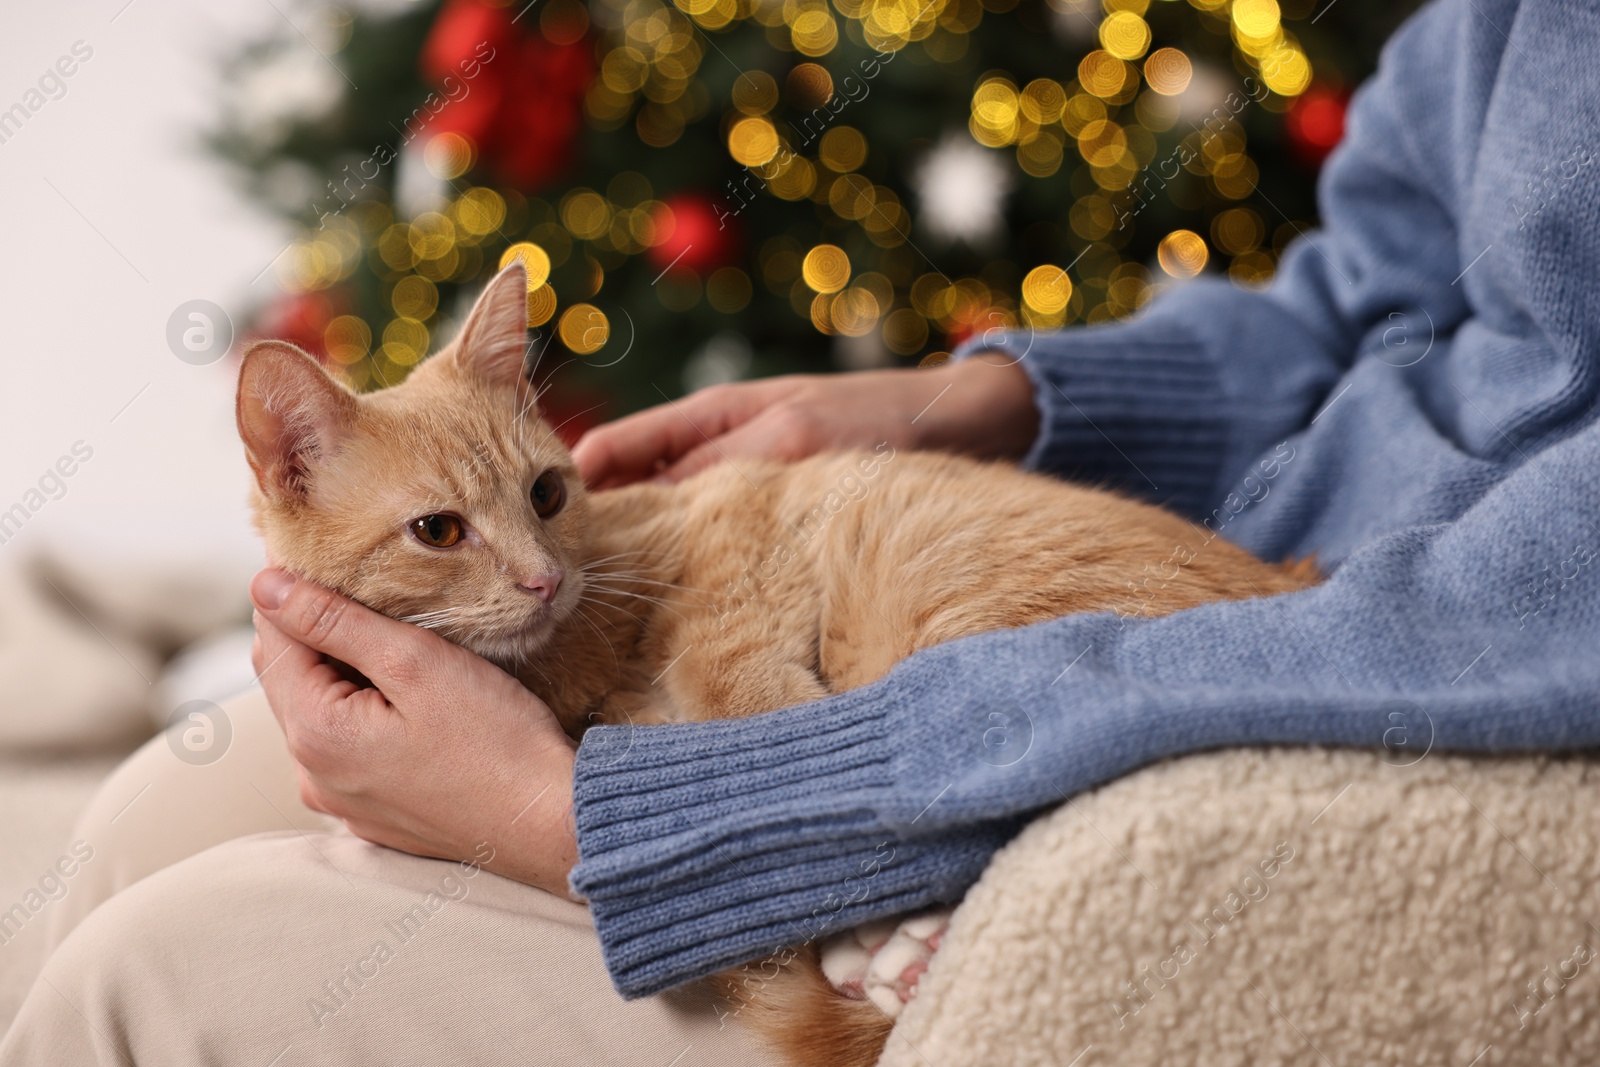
(1315, 124)
(300, 319)
(695, 233)
(516, 96)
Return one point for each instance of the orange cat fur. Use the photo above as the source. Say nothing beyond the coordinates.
(750, 587)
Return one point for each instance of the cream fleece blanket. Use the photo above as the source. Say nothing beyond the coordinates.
(1283, 907)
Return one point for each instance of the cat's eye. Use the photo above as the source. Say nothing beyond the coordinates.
(549, 492)
(438, 531)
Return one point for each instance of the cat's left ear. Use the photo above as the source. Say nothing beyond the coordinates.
(493, 344)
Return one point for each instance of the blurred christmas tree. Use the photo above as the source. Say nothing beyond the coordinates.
(725, 188)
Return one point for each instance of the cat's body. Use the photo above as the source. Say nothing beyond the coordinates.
(751, 587)
(756, 586)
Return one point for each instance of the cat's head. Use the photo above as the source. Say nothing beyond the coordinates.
(445, 500)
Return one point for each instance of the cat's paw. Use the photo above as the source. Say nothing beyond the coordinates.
(883, 961)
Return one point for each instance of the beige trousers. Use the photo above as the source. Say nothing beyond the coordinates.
(215, 920)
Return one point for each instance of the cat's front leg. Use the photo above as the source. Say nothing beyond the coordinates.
(637, 707)
(719, 678)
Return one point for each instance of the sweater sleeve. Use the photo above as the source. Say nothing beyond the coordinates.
(703, 845)
(1172, 403)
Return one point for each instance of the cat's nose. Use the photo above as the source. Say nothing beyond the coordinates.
(544, 585)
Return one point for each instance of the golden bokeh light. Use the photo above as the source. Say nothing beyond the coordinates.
(1104, 75)
(1047, 288)
(1102, 143)
(796, 180)
(905, 332)
(585, 213)
(347, 339)
(479, 211)
(1042, 101)
(809, 85)
(1081, 110)
(405, 341)
(1126, 35)
(995, 107)
(1168, 71)
(843, 149)
(624, 70)
(535, 260)
(584, 329)
(1041, 157)
(1286, 71)
(826, 268)
(752, 141)
(414, 297)
(1251, 269)
(814, 32)
(432, 235)
(1182, 253)
(1238, 230)
(1256, 18)
(541, 305)
(855, 311)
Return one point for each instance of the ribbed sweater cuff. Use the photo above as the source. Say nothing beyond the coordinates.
(709, 844)
(1134, 405)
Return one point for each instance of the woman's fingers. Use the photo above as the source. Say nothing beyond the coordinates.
(380, 648)
(284, 666)
(779, 432)
(637, 446)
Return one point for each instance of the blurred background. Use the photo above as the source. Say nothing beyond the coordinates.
(702, 190)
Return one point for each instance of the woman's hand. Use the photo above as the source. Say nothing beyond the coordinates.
(976, 407)
(447, 754)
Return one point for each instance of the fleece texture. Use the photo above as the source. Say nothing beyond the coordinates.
(1412, 401)
(1428, 913)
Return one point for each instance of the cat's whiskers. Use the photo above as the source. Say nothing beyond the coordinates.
(614, 607)
(593, 563)
(616, 584)
(579, 611)
(532, 399)
(606, 577)
(434, 620)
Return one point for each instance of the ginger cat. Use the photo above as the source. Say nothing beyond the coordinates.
(448, 502)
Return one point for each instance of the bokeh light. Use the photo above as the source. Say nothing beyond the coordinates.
(1182, 253)
(535, 260)
(1167, 71)
(584, 329)
(826, 268)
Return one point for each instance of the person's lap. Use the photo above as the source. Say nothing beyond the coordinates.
(306, 944)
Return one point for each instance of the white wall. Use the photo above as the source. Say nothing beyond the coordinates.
(82, 332)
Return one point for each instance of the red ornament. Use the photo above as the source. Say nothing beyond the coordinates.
(695, 234)
(300, 318)
(1315, 124)
(516, 96)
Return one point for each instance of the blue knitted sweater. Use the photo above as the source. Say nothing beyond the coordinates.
(1412, 401)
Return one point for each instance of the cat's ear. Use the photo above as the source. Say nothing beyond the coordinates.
(493, 344)
(290, 412)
